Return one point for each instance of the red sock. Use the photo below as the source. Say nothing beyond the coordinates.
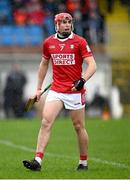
(83, 157)
(39, 154)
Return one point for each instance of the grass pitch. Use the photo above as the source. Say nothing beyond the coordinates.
(109, 150)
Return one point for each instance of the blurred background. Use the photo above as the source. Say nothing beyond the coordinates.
(105, 25)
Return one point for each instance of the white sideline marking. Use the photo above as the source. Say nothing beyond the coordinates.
(24, 148)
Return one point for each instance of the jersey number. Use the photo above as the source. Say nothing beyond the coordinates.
(62, 46)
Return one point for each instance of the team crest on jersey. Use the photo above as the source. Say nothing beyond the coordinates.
(62, 46)
(71, 46)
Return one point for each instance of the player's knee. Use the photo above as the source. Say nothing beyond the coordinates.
(46, 123)
(78, 126)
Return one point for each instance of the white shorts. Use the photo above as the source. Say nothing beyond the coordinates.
(70, 101)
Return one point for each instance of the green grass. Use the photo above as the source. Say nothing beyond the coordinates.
(109, 150)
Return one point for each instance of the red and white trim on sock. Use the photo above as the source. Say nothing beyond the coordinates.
(39, 156)
(83, 160)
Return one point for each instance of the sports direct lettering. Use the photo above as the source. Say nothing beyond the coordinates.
(63, 59)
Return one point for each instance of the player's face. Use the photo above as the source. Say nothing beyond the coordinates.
(65, 26)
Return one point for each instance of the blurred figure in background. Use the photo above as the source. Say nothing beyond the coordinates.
(78, 22)
(99, 106)
(48, 24)
(13, 92)
(20, 16)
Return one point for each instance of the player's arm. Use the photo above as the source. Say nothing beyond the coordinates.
(43, 67)
(41, 75)
(91, 67)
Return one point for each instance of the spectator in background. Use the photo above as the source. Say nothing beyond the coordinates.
(16, 4)
(20, 16)
(5, 12)
(99, 105)
(93, 22)
(48, 24)
(13, 92)
(35, 11)
(72, 5)
(85, 8)
(61, 8)
(88, 14)
(51, 6)
(78, 22)
(19, 12)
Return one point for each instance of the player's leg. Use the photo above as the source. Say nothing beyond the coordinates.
(51, 110)
(78, 119)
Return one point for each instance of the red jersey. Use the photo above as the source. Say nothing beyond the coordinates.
(67, 59)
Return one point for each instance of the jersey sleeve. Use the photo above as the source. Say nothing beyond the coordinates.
(45, 51)
(85, 49)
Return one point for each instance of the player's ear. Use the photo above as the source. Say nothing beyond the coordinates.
(56, 27)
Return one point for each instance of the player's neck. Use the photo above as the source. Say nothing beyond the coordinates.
(63, 36)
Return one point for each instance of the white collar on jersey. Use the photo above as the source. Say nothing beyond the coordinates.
(70, 37)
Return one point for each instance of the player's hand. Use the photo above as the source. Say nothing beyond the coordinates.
(37, 95)
(78, 84)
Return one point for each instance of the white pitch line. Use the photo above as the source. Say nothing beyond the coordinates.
(24, 148)
(8, 143)
(119, 165)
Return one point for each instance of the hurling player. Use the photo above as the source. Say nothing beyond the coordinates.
(67, 52)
